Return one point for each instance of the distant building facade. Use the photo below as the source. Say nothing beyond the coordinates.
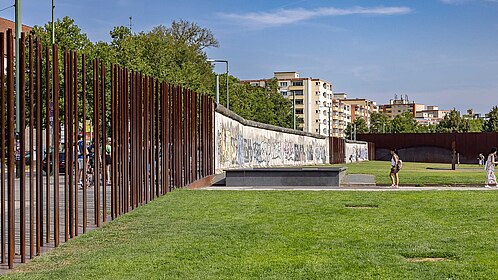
(359, 107)
(315, 108)
(424, 115)
(431, 115)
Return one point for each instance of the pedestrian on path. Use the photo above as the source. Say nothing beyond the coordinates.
(108, 161)
(490, 169)
(394, 168)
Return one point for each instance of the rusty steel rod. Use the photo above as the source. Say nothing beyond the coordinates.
(113, 137)
(96, 141)
(10, 149)
(70, 141)
(39, 150)
(31, 150)
(74, 151)
(2, 148)
(85, 161)
(55, 71)
(104, 143)
(22, 146)
(66, 145)
(48, 111)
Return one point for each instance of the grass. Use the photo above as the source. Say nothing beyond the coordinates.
(420, 174)
(287, 235)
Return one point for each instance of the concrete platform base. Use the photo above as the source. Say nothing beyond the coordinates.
(286, 176)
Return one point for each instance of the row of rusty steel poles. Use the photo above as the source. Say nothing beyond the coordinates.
(160, 139)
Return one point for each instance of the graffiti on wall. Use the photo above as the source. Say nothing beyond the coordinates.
(356, 152)
(243, 146)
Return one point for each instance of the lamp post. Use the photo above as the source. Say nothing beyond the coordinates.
(217, 96)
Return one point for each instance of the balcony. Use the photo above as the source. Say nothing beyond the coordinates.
(296, 87)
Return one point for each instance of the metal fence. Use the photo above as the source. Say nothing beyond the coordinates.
(161, 137)
(433, 147)
(337, 148)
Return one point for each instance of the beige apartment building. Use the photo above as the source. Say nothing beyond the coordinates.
(400, 106)
(359, 107)
(431, 115)
(316, 109)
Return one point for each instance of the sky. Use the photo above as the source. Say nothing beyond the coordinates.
(438, 52)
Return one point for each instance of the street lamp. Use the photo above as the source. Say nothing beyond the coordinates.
(217, 94)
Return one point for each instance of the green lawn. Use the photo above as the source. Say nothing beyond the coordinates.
(419, 174)
(287, 235)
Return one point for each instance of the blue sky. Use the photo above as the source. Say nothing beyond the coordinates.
(438, 52)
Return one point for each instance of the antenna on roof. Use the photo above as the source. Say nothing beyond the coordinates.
(130, 23)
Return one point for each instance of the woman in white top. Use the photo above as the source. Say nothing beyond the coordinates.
(394, 168)
(490, 169)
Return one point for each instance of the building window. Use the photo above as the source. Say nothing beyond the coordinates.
(297, 92)
(299, 111)
(299, 102)
(283, 84)
(299, 83)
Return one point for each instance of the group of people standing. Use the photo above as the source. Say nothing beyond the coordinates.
(489, 167)
(90, 162)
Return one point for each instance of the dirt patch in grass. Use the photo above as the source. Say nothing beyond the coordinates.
(417, 260)
(362, 206)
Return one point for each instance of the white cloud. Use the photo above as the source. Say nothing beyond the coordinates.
(287, 16)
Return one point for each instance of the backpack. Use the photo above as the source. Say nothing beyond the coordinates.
(400, 164)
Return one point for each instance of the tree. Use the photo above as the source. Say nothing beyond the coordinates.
(476, 125)
(379, 123)
(491, 124)
(404, 123)
(359, 126)
(453, 122)
(426, 128)
(261, 104)
(192, 34)
(67, 35)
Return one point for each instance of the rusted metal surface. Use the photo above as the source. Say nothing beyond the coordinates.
(417, 145)
(10, 150)
(55, 80)
(22, 152)
(161, 138)
(48, 109)
(85, 161)
(2, 148)
(336, 150)
(31, 150)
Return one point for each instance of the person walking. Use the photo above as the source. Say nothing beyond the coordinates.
(108, 161)
(394, 168)
(81, 166)
(490, 169)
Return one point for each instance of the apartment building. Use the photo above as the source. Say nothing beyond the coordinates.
(431, 115)
(359, 107)
(315, 109)
(399, 106)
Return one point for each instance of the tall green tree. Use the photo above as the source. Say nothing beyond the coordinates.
(359, 125)
(379, 123)
(261, 104)
(491, 124)
(453, 122)
(404, 123)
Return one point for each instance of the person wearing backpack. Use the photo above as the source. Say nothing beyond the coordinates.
(490, 169)
(396, 165)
